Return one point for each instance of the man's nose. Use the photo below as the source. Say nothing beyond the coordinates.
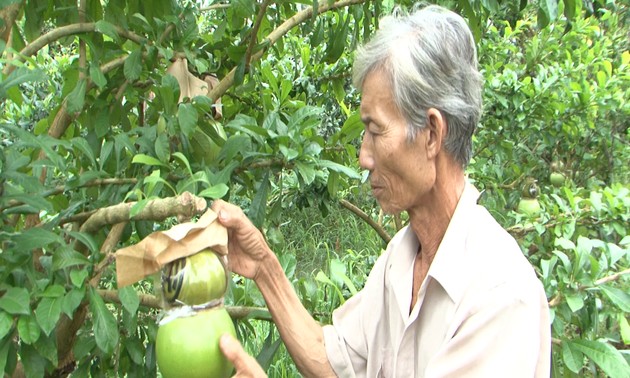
(366, 161)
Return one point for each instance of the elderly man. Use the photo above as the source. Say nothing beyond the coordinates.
(452, 295)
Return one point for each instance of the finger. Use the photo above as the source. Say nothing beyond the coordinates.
(244, 364)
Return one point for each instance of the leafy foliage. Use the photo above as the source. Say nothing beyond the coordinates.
(92, 119)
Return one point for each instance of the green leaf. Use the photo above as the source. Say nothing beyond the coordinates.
(619, 297)
(215, 191)
(187, 116)
(269, 349)
(5, 345)
(107, 29)
(104, 327)
(53, 291)
(66, 257)
(28, 329)
(605, 356)
(36, 237)
(47, 312)
(97, 76)
(76, 98)
(307, 171)
(34, 364)
(129, 299)
(71, 301)
(575, 302)
(6, 322)
(258, 207)
(147, 160)
(624, 328)
(78, 277)
(572, 357)
(351, 173)
(289, 153)
(86, 239)
(133, 65)
(16, 301)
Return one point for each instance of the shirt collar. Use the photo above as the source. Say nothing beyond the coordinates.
(448, 267)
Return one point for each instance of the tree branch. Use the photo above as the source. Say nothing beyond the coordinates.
(64, 31)
(358, 212)
(275, 35)
(604, 280)
(151, 301)
(186, 205)
(254, 33)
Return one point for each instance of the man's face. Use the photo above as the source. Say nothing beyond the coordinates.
(400, 173)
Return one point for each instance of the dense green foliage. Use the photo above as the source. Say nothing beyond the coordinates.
(90, 120)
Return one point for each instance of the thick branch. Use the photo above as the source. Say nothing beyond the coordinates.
(151, 301)
(64, 31)
(275, 35)
(358, 212)
(185, 205)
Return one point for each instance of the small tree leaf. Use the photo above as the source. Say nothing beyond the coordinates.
(258, 208)
(619, 297)
(572, 357)
(6, 322)
(47, 313)
(133, 65)
(187, 116)
(605, 356)
(215, 191)
(78, 276)
(76, 98)
(147, 160)
(129, 299)
(28, 329)
(105, 327)
(71, 301)
(16, 301)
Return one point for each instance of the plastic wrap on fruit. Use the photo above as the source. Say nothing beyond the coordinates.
(187, 343)
(195, 280)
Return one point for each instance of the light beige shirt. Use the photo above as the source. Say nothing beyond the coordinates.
(481, 311)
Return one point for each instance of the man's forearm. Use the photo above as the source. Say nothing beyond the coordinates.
(302, 335)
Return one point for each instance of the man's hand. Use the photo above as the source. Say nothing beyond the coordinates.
(245, 365)
(247, 247)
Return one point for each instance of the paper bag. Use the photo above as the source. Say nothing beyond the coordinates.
(138, 261)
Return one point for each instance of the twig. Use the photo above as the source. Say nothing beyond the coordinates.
(613, 277)
(151, 301)
(254, 33)
(361, 214)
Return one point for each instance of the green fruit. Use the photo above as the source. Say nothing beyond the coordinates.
(529, 207)
(195, 280)
(188, 345)
(557, 179)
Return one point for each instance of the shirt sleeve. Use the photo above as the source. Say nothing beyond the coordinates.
(507, 335)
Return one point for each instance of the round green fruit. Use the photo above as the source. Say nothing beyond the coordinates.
(195, 279)
(188, 345)
(529, 207)
(557, 179)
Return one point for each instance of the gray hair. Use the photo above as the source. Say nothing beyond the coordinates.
(431, 60)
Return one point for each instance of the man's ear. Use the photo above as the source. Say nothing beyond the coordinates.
(436, 132)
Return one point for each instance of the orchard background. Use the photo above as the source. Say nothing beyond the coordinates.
(103, 142)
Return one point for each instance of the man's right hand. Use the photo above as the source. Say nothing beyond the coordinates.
(245, 365)
(247, 247)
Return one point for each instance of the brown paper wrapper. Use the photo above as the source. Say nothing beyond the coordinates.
(140, 260)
